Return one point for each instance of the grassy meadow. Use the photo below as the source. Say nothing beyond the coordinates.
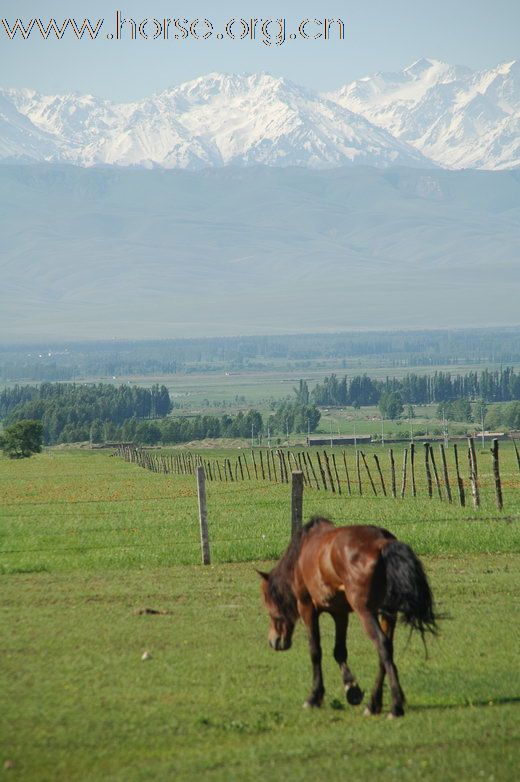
(87, 541)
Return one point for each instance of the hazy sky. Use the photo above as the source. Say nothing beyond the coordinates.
(380, 35)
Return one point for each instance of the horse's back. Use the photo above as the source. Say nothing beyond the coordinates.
(352, 540)
(340, 559)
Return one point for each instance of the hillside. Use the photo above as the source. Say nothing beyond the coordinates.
(100, 253)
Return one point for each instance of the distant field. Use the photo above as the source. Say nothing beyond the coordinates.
(87, 540)
(276, 381)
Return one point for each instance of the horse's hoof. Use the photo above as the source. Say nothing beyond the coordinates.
(367, 712)
(354, 694)
(311, 704)
(393, 716)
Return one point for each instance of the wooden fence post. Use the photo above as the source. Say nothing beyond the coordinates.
(358, 473)
(327, 465)
(405, 461)
(392, 468)
(427, 468)
(285, 469)
(309, 461)
(300, 466)
(346, 474)
(336, 472)
(296, 502)
(445, 472)
(306, 468)
(435, 473)
(322, 471)
(203, 516)
(291, 461)
(275, 471)
(496, 473)
(275, 474)
(367, 468)
(460, 482)
(516, 451)
(412, 469)
(268, 465)
(472, 456)
(380, 474)
(280, 465)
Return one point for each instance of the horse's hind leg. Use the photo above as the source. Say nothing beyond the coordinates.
(353, 692)
(384, 646)
(376, 699)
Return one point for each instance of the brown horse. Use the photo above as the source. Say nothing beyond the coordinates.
(340, 570)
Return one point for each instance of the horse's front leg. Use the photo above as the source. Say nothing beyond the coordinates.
(353, 692)
(310, 617)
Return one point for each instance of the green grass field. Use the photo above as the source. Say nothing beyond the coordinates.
(86, 541)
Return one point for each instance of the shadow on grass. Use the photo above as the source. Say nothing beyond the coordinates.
(467, 704)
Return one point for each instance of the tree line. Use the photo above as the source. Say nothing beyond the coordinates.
(99, 412)
(287, 418)
(154, 357)
(501, 385)
(73, 412)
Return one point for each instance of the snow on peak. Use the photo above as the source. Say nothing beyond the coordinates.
(430, 112)
(214, 120)
(455, 116)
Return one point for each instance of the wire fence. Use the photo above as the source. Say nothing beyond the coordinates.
(417, 474)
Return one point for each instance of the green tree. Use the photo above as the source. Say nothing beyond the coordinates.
(500, 416)
(456, 410)
(147, 433)
(391, 405)
(302, 392)
(22, 439)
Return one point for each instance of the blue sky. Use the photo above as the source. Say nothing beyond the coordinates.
(380, 35)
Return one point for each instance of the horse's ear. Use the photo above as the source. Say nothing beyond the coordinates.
(263, 575)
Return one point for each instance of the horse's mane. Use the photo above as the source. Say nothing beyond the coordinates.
(280, 578)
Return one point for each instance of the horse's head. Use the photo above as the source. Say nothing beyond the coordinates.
(282, 613)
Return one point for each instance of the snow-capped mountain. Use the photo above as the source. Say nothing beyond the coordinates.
(456, 117)
(429, 114)
(260, 119)
(20, 138)
(212, 121)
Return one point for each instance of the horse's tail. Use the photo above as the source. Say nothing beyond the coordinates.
(407, 589)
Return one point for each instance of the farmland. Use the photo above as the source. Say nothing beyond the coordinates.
(88, 541)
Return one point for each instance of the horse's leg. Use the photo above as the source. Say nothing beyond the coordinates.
(353, 692)
(384, 646)
(310, 618)
(376, 699)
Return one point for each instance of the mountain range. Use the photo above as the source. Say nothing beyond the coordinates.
(430, 114)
